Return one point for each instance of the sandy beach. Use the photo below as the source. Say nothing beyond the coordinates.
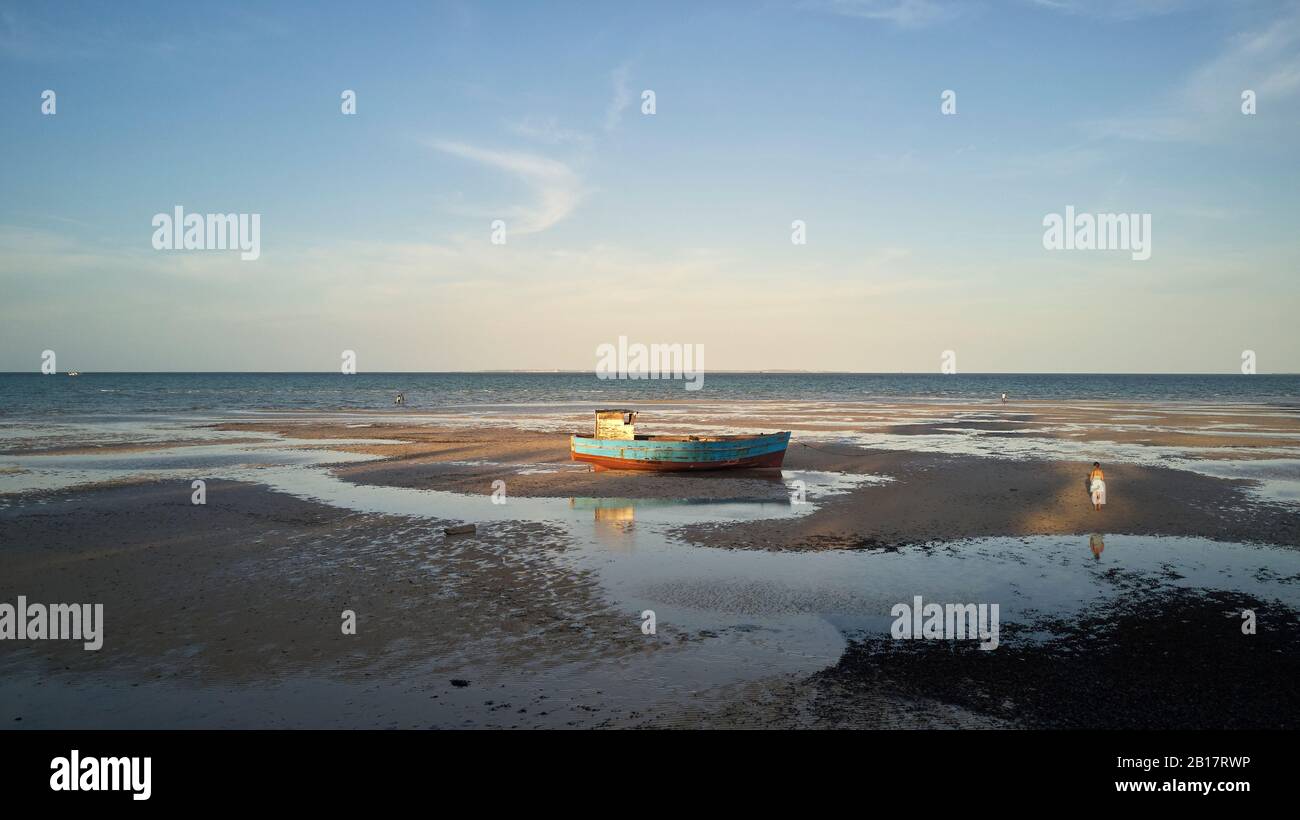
(920, 368)
(772, 609)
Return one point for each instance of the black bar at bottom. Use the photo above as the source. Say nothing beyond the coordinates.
(335, 768)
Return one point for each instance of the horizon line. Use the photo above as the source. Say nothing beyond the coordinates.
(559, 372)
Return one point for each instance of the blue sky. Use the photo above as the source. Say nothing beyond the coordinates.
(924, 230)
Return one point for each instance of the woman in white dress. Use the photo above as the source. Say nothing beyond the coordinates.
(1097, 486)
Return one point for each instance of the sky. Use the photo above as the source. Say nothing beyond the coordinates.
(924, 229)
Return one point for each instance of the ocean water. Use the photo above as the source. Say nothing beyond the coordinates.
(32, 395)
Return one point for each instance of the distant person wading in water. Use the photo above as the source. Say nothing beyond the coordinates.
(1097, 486)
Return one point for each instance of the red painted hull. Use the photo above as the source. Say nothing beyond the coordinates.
(767, 460)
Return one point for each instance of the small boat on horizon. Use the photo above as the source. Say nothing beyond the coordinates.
(616, 446)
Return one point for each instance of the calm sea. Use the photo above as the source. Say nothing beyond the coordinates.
(32, 395)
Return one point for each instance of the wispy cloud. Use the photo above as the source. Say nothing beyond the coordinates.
(1266, 61)
(902, 13)
(622, 97)
(548, 130)
(32, 39)
(556, 185)
(1117, 9)
(37, 35)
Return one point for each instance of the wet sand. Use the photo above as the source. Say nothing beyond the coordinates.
(1239, 430)
(249, 589)
(215, 605)
(1159, 660)
(228, 614)
(931, 497)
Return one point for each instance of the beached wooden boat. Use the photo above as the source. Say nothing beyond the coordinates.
(615, 446)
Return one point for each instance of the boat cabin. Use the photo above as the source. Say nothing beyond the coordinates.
(620, 424)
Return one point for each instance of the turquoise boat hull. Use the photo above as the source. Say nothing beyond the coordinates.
(668, 453)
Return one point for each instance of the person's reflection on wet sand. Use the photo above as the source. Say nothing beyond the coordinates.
(1097, 545)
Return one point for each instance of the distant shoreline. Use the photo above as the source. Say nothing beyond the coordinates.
(892, 373)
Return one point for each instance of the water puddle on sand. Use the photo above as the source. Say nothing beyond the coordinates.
(630, 542)
(753, 614)
(23, 473)
(1275, 479)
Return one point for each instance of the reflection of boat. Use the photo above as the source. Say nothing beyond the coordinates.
(617, 510)
(614, 519)
(690, 508)
(617, 447)
(616, 515)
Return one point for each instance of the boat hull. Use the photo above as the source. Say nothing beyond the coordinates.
(675, 453)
